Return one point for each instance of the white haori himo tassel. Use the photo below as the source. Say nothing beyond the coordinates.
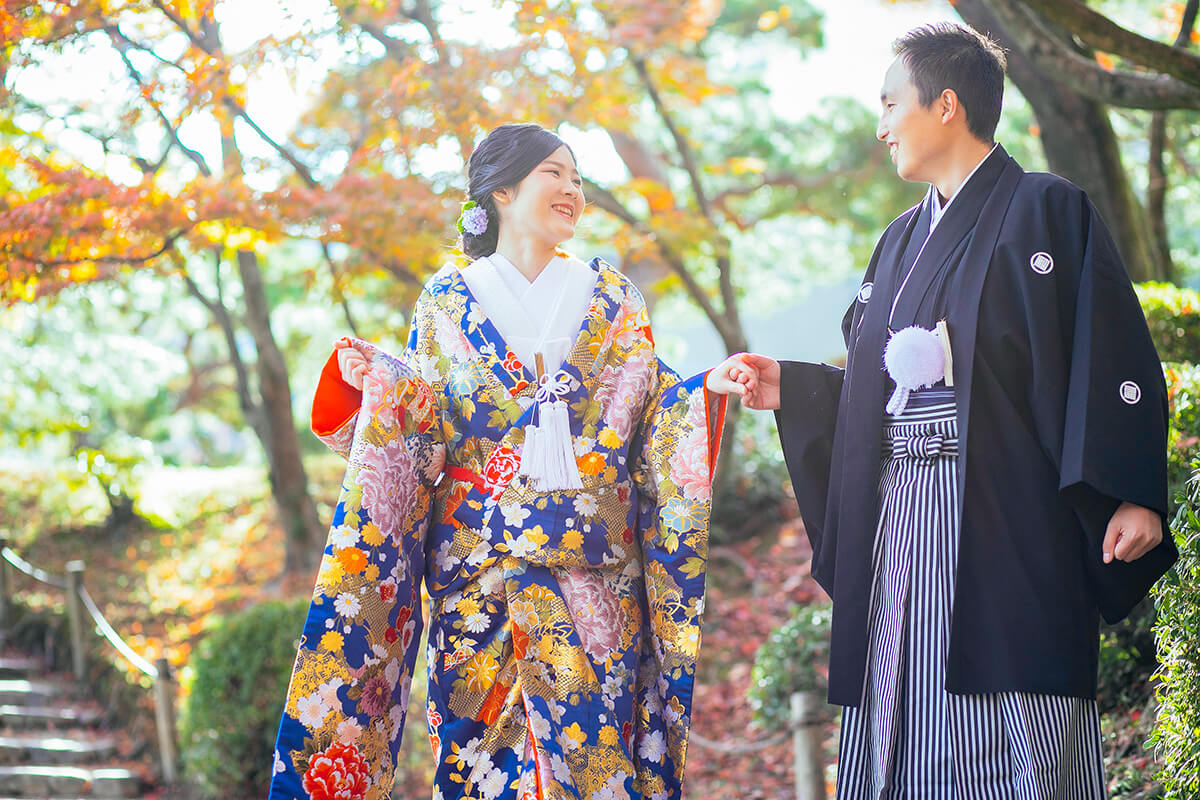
(548, 456)
(915, 358)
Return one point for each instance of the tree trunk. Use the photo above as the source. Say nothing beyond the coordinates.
(305, 536)
(1080, 145)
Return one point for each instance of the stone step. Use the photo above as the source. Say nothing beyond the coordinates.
(19, 717)
(52, 781)
(18, 691)
(22, 666)
(48, 748)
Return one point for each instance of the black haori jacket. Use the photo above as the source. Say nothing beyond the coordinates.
(1062, 414)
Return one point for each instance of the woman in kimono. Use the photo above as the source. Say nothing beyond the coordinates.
(532, 461)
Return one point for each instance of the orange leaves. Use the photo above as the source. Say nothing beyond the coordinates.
(75, 226)
(659, 198)
(389, 220)
(1173, 17)
(643, 25)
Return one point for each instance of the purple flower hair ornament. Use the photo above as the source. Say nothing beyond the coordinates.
(473, 220)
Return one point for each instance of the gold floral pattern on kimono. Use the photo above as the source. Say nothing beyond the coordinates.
(564, 626)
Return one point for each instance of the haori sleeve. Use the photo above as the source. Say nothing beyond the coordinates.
(1115, 432)
(346, 703)
(681, 434)
(809, 395)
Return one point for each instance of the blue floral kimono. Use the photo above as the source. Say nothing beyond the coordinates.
(564, 625)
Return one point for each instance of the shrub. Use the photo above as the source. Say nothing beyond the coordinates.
(1178, 636)
(1183, 442)
(1173, 315)
(794, 658)
(759, 490)
(1127, 660)
(240, 678)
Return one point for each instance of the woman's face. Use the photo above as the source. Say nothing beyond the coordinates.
(547, 203)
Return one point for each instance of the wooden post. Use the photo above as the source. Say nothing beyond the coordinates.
(164, 714)
(807, 756)
(5, 602)
(75, 612)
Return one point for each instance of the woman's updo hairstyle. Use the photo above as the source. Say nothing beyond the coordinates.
(501, 161)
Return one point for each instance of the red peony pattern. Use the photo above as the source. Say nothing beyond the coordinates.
(337, 774)
(499, 470)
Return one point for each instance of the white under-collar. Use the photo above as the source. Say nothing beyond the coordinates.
(937, 210)
(539, 316)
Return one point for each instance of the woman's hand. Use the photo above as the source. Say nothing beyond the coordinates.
(351, 362)
(752, 377)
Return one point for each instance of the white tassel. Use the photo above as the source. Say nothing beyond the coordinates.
(548, 457)
(898, 402)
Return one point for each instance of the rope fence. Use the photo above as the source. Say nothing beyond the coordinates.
(79, 602)
(11, 557)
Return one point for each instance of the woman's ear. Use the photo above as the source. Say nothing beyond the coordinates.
(502, 196)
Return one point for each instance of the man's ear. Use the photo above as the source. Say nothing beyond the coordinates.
(948, 106)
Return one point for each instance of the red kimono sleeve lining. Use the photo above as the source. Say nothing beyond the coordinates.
(335, 402)
(716, 424)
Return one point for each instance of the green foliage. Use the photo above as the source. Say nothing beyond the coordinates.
(1177, 734)
(794, 658)
(760, 490)
(1183, 442)
(1173, 315)
(1127, 660)
(240, 679)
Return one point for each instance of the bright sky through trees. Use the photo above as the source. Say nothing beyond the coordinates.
(857, 51)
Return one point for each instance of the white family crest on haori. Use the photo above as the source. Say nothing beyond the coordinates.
(1131, 393)
(915, 358)
(1041, 262)
(864, 292)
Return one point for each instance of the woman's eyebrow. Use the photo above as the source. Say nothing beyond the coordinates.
(560, 165)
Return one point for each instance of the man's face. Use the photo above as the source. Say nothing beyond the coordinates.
(915, 136)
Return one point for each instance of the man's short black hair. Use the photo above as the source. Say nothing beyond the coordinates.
(949, 56)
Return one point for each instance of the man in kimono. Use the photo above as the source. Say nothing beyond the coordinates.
(975, 508)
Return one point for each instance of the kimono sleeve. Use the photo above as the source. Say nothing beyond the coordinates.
(346, 703)
(681, 434)
(336, 403)
(809, 395)
(1115, 432)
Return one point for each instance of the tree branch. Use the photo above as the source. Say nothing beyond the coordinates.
(1156, 185)
(1118, 88)
(604, 199)
(799, 182)
(182, 25)
(393, 47)
(681, 143)
(167, 245)
(1102, 33)
(301, 168)
(122, 44)
(114, 31)
(250, 408)
(338, 294)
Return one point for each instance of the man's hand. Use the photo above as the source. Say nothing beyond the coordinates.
(351, 362)
(1132, 532)
(752, 377)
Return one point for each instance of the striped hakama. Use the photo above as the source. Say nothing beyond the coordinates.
(910, 738)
